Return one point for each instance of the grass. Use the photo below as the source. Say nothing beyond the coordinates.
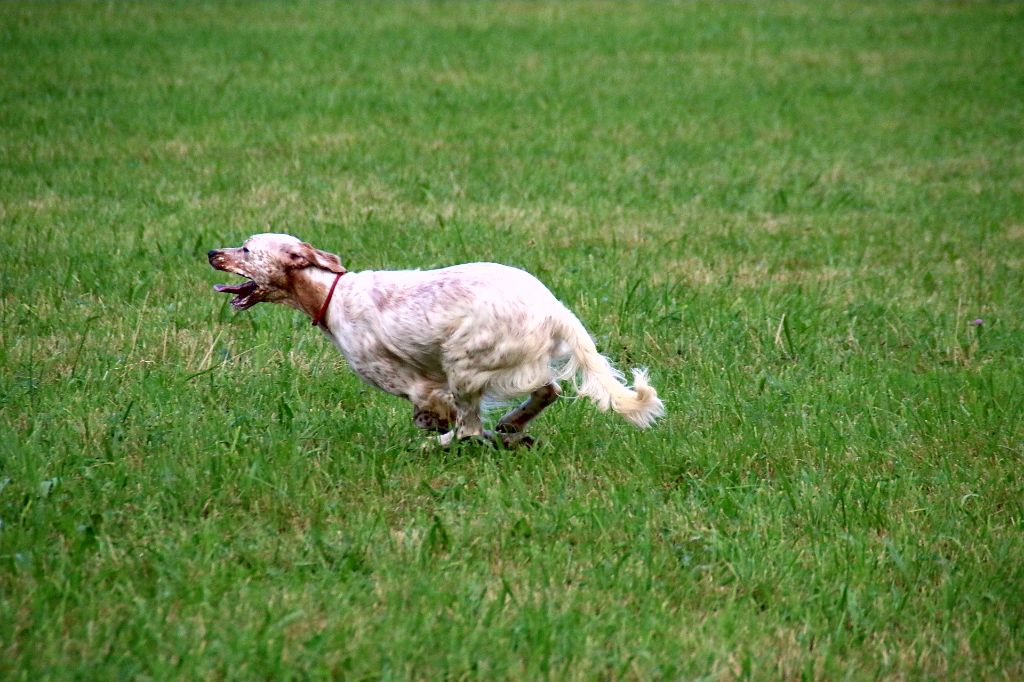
(792, 212)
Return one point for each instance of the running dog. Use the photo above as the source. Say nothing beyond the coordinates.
(443, 339)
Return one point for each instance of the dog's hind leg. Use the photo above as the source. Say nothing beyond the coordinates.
(516, 420)
(470, 427)
(467, 420)
(467, 416)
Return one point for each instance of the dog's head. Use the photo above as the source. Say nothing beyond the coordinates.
(269, 263)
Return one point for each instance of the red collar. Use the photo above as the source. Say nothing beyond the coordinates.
(327, 301)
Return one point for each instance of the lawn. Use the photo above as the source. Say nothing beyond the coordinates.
(806, 218)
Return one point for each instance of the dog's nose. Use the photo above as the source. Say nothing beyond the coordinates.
(211, 253)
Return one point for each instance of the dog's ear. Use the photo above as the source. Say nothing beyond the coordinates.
(305, 255)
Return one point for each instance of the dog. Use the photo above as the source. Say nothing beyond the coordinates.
(443, 339)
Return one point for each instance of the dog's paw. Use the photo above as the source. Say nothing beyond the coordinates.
(430, 421)
(518, 440)
(492, 439)
(445, 440)
(510, 440)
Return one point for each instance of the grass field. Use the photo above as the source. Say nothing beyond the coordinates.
(806, 218)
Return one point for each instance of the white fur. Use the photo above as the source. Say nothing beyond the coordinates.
(447, 339)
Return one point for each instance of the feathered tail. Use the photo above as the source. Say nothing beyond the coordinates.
(596, 379)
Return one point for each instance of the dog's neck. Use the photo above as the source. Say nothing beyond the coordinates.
(311, 291)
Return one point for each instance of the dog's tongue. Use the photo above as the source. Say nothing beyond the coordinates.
(243, 288)
(247, 294)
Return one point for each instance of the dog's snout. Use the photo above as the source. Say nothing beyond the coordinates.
(211, 253)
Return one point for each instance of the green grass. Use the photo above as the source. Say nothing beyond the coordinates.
(791, 211)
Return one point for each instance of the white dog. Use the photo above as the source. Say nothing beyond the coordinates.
(443, 339)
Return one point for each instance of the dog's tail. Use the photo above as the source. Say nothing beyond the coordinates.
(596, 379)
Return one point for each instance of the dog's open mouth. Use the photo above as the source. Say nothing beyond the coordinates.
(247, 294)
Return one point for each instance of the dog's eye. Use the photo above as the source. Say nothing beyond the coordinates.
(245, 249)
